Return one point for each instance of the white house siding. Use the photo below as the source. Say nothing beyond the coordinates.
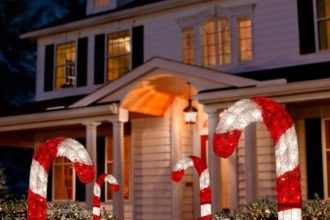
(152, 184)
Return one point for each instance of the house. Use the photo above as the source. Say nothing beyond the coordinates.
(119, 78)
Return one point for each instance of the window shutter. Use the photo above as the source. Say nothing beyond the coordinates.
(100, 167)
(49, 68)
(82, 62)
(306, 26)
(314, 157)
(80, 190)
(99, 59)
(137, 46)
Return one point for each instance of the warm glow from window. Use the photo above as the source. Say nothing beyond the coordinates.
(100, 3)
(65, 65)
(323, 20)
(244, 39)
(188, 45)
(216, 42)
(327, 154)
(119, 49)
(63, 179)
(127, 165)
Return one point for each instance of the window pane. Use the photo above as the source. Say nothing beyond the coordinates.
(324, 35)
(100, 3)
(119, 49)
(323, 8)
(63, 177)
(244, 39)
(65, 65)
(208, 43)
(188, 46)
(224, 41)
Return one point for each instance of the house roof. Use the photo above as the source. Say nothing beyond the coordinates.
(41, 106)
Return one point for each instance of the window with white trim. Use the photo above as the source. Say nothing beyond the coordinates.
(323, 23)
(64, 177)
(118, 54)
(244, 38)
(65, 65)
(188, 49)
(216, 42)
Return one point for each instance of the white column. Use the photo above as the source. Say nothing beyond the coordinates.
(214, 163)
(251, 162)
(118, 161)
(91, 135)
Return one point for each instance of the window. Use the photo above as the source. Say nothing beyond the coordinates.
(127, 165)
(65, 65)
(64, 179)
(244, 39)
(188, 45)
(100, 3)
(323, 23)
(216, 42)
(119, 49)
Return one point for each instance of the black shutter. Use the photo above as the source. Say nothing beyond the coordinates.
(49, 68)
(80, 187)
(100, 155)
(137, 46)
(99, 58)
(314, 157)
(50, 184)
(306, 26)
(82, 62)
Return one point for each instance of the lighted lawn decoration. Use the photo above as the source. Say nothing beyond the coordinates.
(42, 160)
(97, 192)
(281, 128)
(204, 182)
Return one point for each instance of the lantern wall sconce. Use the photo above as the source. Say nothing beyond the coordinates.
(190, 112)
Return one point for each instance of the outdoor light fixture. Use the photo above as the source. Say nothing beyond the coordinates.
(190, 112)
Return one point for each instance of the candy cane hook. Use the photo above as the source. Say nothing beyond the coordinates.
(97, 192)
(42, 160)
(282, 130)
(204, 181)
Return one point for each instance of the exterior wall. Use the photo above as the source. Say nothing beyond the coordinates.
(275, 38)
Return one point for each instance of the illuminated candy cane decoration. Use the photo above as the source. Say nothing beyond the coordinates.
(282, 130)
(204, 181)
(97, 192)
(42, 160)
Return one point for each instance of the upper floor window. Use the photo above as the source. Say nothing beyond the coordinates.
(100, 3)
(216, 42)
(65, 65)
(244, 39)
(323, 23)
(188, 45)
(118, 54)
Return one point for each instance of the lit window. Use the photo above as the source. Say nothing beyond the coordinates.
(119, 49)
(65, 66)
(327, 156)
(64, 179)
(216, 42)
(244, 39)
(188, 45)
(323, 21)
(127, 165)
(100, 3)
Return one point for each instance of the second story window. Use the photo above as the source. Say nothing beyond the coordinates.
(118, 54)
(100, 3)
(244, 37)
(65, 65)
(216, 42)
(323, 23)
(188, 45)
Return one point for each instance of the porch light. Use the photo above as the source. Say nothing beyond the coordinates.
(190, 112)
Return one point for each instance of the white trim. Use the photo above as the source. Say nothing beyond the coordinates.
(192, 73)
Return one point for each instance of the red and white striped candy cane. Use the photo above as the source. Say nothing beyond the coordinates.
(204, 181)
(97, 192)
(42, 160)
(282, 130)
